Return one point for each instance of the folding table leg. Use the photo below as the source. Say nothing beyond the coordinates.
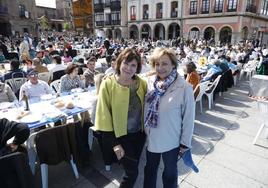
(258, 133)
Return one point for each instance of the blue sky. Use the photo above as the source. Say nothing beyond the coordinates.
(46, 3)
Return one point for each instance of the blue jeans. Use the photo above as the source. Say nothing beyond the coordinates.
(170, 173)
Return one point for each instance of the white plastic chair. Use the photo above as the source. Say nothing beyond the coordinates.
(263, 108)
(210, 92)
(202, 88)
(235, 79)
(44, 76)
(16, 83)
(249, 69)
(31, 147)
(55, 86)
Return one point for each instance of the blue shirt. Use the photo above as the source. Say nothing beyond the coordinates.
(213, 70)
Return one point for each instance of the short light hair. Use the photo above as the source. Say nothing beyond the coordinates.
(36, 61)
(159, 52)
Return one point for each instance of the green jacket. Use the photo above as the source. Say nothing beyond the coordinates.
(112, 106)
(263, 69)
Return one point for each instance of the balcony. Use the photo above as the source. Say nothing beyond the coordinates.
(193, 12)
(99, 23)
(3, 9)
(231, 9)
(174, 14)
(218, 10)
(108, 22)
(251, 8)
(107, 3)
(159, 15)
(205, 12)
(115, 5)
(116, 22)
(98, 7)
(145, 16)
(133, 17)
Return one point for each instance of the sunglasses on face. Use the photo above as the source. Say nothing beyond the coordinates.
(33, 75)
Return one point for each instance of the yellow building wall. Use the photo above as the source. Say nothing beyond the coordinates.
(82, 9)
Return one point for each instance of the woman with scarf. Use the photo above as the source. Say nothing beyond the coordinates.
(119, 113)
(169, 118)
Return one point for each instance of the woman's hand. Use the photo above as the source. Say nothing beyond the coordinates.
(82, 77)
(119, 151)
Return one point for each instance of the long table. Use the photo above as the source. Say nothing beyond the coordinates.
(45, 112)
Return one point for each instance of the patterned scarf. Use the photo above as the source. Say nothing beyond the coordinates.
(154, 98)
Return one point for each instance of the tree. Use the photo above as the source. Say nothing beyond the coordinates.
(66, 26)
(44, 23)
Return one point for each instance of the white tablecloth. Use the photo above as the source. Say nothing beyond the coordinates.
(259, 86)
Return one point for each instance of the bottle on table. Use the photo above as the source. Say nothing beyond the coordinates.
(25, 100)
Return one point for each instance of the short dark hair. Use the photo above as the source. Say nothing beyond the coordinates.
(57, 59)
(190, 67)
(92, 58)
(128, 55)
(15, 64)
(71, 68)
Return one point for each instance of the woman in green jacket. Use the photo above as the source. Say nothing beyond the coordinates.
(119, 113)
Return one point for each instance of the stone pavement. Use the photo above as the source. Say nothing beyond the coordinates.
(222, 150)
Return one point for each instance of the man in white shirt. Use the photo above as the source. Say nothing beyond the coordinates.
(111, 70)
(58, 66)
(34, 88)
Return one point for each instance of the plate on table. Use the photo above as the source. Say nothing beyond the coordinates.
(46, 97)
(5, 105)
(31, 118)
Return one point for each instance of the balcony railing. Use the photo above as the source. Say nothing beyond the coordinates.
(251, 8)
(133, 17)
(107, 3)
(98, 7)
(145, 16)
(115, 5)
(116, 22)
(109, 22)
(231, 9)
(3, 9)
(193, 12)
(174, 14)
(205, 12)
(218, 10)
(99, 23)
(159, 15)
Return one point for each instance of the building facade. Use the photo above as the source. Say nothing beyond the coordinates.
(83, 15)
(20, 16)
(58, 16)
(226, 21)
(17, 17)
(110, 18)
(154, 19)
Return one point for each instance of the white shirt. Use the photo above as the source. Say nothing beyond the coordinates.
(110, 71)
(55, 68)
(35, 91)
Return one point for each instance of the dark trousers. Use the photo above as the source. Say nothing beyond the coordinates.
(170, 173)
(133, 144)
